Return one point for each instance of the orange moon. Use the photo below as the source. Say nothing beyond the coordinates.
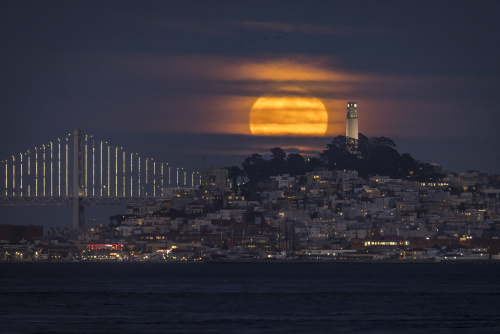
(290, 111)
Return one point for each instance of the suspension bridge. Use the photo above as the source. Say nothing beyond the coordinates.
(81, 170)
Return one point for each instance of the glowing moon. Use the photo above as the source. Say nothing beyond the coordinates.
(288, 111)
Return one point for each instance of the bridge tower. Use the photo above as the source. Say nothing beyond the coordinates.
(78, 182)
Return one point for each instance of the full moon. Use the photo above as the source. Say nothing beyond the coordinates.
(290, 111)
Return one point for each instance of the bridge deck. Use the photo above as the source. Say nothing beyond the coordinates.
(85, 201)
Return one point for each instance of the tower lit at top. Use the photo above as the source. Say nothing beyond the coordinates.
(351, 128)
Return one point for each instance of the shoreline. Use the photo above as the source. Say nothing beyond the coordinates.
(270, 262)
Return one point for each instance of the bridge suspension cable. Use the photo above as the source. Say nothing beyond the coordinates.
(107, 170)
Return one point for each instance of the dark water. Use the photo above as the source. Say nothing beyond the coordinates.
(248, 298)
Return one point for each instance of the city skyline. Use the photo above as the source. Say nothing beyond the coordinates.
(158, 173)
(178, 84)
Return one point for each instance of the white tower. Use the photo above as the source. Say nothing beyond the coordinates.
(351, 126)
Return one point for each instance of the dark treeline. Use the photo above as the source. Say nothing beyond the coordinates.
(371, 156)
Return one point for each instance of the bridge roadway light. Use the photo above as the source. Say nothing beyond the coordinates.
(116, 171)
(43, 148)
(67, 166)
(86, 164)
(21, 168)
(6, 178)
(59, 167)
(51, 169)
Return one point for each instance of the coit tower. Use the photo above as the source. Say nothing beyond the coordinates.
(351, 126)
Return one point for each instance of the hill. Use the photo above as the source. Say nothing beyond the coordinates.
(368, 156)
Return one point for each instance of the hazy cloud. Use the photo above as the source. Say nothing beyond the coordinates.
(307, 28)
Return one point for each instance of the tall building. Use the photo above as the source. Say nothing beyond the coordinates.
(215, 179)
(351, 128)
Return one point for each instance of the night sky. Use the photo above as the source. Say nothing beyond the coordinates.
(175, 80)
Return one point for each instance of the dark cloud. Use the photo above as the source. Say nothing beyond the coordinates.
(186, 72)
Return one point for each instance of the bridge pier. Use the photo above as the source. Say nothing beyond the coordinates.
(78, 215)
(78, 182)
